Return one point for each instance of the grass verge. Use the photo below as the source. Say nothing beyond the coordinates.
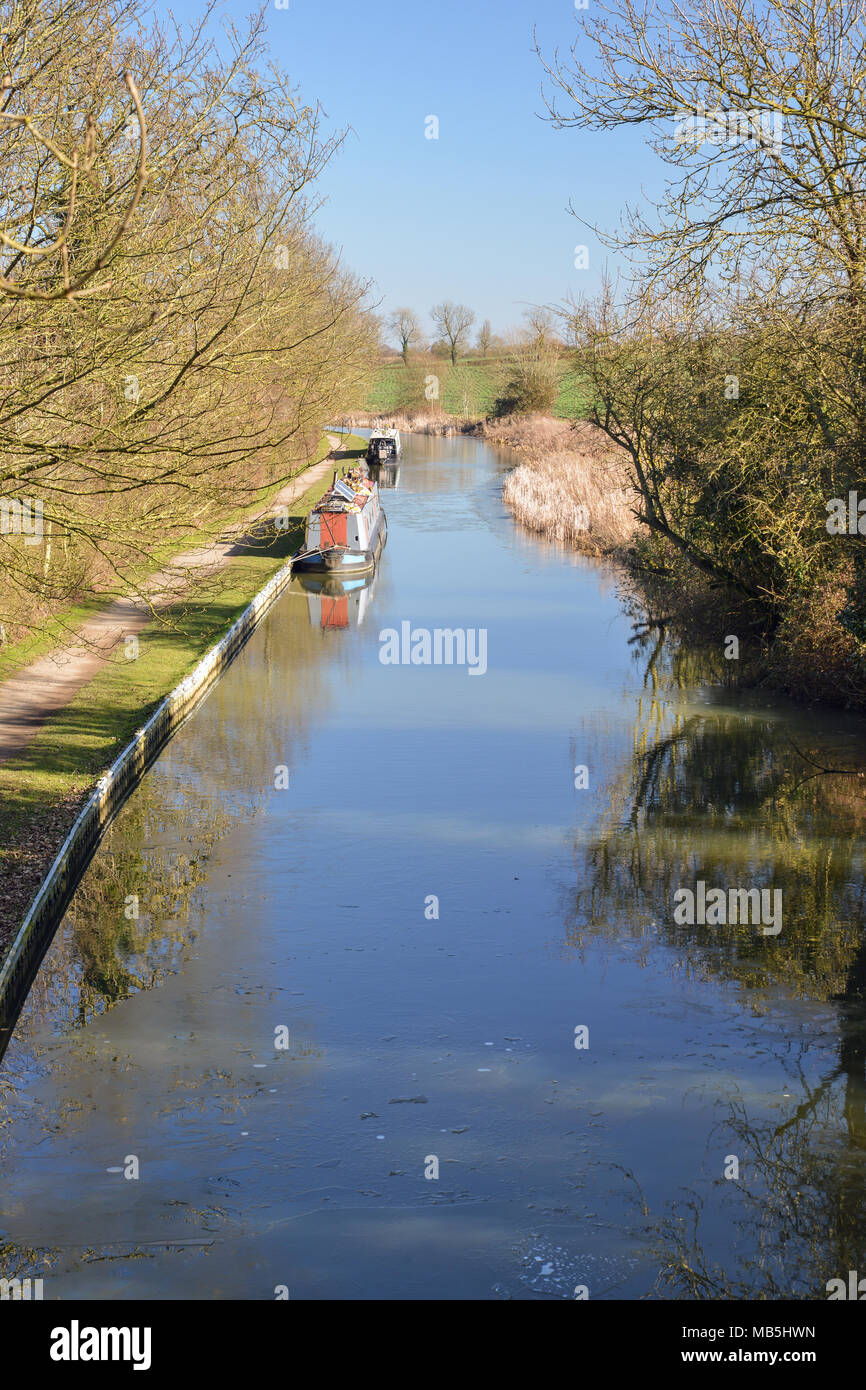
(44, 787)
(53, 631)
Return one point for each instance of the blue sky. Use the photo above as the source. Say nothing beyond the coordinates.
(479, 215)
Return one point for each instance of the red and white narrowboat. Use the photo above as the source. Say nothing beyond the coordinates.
(346, 530)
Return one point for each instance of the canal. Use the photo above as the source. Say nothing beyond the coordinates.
(375, 987)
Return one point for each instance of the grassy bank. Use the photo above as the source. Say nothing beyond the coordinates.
(59, 628)
(468, 389)
(570, 484)
(42, 789)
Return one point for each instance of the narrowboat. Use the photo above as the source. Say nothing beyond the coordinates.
(345, 531)
(384, 444)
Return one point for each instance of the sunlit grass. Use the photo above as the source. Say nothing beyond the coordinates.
(469, 389)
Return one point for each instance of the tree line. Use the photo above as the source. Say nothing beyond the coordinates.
(173, 333)
(729, 361)
(453, 324)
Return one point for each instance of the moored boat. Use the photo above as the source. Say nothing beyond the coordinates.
(346, 530)
(384, 444)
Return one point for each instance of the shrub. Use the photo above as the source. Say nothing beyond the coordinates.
(532, 386)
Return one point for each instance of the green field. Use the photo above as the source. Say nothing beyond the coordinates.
(468, 389)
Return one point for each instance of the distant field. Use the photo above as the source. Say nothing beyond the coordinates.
(470, 388)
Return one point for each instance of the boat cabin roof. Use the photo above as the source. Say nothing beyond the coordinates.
(347, 494)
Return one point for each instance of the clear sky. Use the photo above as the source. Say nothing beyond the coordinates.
(479, 215)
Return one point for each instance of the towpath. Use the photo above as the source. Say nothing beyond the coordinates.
(33, 694)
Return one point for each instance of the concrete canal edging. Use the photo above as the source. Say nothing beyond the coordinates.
(36, 931)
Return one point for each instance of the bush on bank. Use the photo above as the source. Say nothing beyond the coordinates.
(731, 370)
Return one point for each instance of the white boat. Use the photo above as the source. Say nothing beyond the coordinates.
(384, 444)
(346, 530)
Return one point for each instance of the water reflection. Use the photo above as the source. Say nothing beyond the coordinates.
(335, 604)
(138, 908)
(387, 475)
(273, 870)
(744, 802)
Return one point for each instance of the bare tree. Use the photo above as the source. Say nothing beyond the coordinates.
(759, 111)
(541, 327)
(732, 369)
(172, 334)
(41, 244)
(453, 322)
(404, 324)
(485, 333)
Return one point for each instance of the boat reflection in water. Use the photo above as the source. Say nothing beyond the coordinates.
(387, 475)
(337, 603)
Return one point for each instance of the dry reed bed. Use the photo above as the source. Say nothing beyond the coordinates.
(572, 484)
(412, 422)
